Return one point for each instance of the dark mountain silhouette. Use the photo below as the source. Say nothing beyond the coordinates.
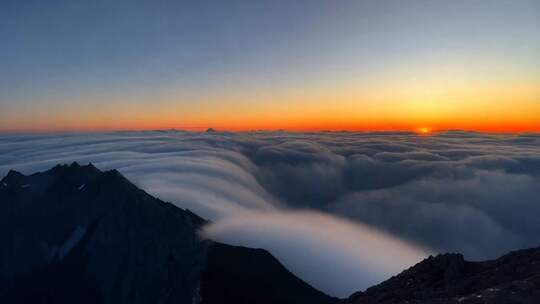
(74, 234)
(448, 278)
(241, 275)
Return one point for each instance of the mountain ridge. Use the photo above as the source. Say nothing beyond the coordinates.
(77, 234)
(449, 278)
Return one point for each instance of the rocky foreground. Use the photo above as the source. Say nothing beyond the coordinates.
(448, 278)
(75, 234)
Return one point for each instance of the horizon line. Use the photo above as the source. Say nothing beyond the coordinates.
(419, 131)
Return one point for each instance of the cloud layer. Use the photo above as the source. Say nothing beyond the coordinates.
(320, 201)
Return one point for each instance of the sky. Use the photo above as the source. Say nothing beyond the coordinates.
(297, 65)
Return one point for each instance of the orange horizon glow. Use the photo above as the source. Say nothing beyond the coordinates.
(351, 127)
(433, 106)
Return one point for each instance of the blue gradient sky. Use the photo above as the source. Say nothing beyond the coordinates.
(128, 64)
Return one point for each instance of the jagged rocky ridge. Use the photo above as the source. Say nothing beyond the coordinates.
(75, 234)
(448, 278)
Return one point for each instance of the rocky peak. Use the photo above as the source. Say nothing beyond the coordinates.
(452, 265)
(14, 178)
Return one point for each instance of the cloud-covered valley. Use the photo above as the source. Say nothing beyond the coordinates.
(341, 210)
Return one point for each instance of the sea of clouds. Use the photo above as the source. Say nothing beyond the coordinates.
(343, 211)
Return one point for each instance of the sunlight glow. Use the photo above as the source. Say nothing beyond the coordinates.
(423, 130)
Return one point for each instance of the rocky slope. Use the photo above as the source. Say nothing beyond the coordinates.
(74, 234)
(448, 278)
(244, 276)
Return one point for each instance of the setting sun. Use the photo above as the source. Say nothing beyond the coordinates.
(424, 130)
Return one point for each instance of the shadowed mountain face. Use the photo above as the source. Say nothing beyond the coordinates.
(96, 230)
(448, 278)
(74, 234)
(241, 275)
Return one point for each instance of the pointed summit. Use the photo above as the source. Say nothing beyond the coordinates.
(14, 178)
